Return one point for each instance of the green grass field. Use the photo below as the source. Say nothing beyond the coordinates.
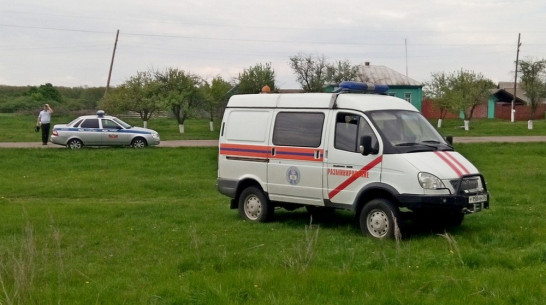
(124, 226)
(491, 127)
(21, 128)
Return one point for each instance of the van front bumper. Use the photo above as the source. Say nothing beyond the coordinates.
(465, 203)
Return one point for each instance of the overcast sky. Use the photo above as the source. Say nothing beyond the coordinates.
(70, 43)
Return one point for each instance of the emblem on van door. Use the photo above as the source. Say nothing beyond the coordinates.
(293, 175)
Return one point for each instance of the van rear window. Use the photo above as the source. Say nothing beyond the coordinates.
(248, 125)
(303, 129)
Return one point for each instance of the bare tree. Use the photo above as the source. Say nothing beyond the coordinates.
(341, 70)
(310, 72)
(314, 73)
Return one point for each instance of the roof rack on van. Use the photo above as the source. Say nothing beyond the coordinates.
(358, 87)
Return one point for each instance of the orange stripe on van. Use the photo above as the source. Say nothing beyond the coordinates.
(262, 151)
(255, 151)
(298, 153)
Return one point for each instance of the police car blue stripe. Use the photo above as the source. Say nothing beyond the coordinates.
(102, 130)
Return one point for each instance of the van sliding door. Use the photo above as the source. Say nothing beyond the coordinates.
(296, 157)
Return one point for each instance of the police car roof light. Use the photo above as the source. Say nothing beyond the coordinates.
(100, 113)
(350, 86)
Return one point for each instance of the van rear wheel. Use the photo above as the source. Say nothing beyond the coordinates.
(254, 206)
(380, 218)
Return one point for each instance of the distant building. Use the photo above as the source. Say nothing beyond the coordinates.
(399, 84)
(498, 105)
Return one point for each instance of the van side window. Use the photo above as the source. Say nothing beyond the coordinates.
(303, 129)
(349, 128)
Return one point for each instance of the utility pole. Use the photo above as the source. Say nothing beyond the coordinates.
(406, 43)
(111, 64)
(513, 110)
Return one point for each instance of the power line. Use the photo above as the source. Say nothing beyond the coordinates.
(321, 42)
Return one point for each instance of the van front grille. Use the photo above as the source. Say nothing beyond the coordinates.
(467, 185)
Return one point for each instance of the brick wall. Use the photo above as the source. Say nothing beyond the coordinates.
(431, 111)
(502, 111)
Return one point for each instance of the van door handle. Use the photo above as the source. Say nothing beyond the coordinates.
(339, 166)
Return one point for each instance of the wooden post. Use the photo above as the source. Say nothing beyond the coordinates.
(513, 110)
(112, 63)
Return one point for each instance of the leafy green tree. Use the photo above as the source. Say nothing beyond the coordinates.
(253, 79)
(138, 94)
(460, 91)
(534, 83)
(45, 93)
(216, 96)
(90, 97)
(468, 91)
(437, 90)
(180, 92)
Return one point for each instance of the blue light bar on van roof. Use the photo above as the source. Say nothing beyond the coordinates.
(350, 86)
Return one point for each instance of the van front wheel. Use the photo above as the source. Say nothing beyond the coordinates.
(254, 206)
(379, 218)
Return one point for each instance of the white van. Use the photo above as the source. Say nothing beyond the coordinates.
(373, 154)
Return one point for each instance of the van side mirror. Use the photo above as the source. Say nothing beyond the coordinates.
(449, 140)
(365, 145)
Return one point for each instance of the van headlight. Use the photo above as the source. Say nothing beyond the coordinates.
(429, 181)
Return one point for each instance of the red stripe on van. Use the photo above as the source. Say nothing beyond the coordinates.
(448, 162)
(459, 164)
(355, 176)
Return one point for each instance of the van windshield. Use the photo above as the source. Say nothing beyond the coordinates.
(407, 131)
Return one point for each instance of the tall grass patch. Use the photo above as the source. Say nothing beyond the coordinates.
(124, 226)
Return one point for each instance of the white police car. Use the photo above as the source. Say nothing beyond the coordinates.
(102, 130)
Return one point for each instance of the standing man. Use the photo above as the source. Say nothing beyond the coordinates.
(44, 120)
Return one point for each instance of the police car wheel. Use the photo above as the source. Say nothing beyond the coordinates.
(74, 144)
(379, 218)
(139, 143)
(254, 206)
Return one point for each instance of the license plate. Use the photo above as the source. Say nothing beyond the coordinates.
(477, 198)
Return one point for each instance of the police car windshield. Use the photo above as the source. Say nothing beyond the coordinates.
(408, 130)
(122, 123)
